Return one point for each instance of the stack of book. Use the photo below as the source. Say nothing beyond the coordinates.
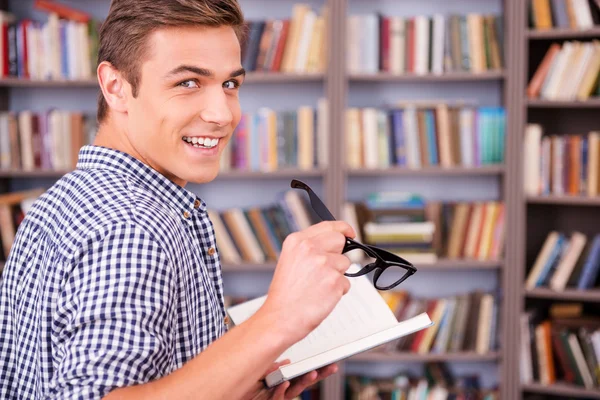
(573, 14)
(293, 45)
(256, 234)
(561, 164)
(270, 140)
(422, 136)
(563, 346)
(437, 382)
(43, 140)
(424, 44)
(422, 231)
(566, 261)
(567, 72)
(64, 47)
(463, 323)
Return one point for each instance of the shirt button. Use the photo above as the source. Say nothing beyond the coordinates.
(211, 251)
(227, 320)
(197, 204)
(186, 215)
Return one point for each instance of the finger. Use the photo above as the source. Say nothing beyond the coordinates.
(329, 241)
(275, 366)
(327, 226)
(280, 391)
(345, 282)
(339, 262)
(327, 371)
(300, 384)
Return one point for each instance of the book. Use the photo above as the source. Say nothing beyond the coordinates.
(362, 320)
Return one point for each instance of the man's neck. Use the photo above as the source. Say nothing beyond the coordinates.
(111, 135)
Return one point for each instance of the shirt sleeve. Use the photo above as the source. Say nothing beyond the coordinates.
(112, 326)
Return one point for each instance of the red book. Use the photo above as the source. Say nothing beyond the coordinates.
(61, 10)
(384, 38)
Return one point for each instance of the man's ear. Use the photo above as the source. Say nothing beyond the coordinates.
(113, 86)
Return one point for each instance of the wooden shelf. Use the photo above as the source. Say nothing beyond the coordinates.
(276, 77)
(592, 295)
(379, 356)
(446, 77)
(251, 77)
(542, 103)
(18, 82)
(562, 33)
(286, 173)
(461, 265)
(564, 200)
(561, 389)
(428, 171)
(249, 267)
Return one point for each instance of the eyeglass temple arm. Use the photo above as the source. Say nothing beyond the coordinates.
(317, 205)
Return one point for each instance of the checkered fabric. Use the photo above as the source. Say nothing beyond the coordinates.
(111, 282)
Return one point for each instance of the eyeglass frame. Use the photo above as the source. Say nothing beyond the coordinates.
(383, 258)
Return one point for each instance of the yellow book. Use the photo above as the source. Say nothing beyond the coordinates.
(590, 78)
(436, 317)
(542, 17)
(299, 11)
(306, 133)
(491, 215)
(314, 51)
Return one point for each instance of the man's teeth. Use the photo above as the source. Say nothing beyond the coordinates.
(201, 142)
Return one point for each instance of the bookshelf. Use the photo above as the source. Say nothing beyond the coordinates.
(523, 49)
(564, 390)
(537, 215)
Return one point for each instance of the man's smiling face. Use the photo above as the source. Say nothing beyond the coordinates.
(187, 104)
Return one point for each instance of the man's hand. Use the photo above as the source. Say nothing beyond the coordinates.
(290, 389)
(309, 280)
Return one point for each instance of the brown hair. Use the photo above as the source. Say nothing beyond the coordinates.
(124, 33)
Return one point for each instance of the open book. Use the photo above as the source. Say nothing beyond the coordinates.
(361, 321)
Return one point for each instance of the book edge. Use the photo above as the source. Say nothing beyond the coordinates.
(330, 356)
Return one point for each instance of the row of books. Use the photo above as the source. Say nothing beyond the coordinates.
(464, 322)
(437, 383)
(424, 232)
(561, 164)
(424, 44)
(47, 140)
(567, 72)
(560, 349)
(293, 45)
(566, 261)
(256, 234)
(269, 140)
(421, 136)
(56, 49)
(13, 207)
(573, 14)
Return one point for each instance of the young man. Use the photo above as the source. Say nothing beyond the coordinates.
(113, 286)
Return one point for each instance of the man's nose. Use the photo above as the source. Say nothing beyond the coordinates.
(216, 109)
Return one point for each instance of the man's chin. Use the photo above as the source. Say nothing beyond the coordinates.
(206, 175)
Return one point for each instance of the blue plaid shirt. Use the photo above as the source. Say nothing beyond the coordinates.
(113, 280)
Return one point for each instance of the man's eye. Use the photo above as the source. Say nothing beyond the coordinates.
(189, 84)
(232, 84)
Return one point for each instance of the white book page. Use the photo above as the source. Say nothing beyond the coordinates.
(360, 313)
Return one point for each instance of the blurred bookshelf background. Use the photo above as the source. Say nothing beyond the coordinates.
(462, 135)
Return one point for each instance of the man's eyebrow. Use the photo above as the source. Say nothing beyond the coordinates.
(237, 72)
(201, 71)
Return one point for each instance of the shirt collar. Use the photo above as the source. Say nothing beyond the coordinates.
(98, 157)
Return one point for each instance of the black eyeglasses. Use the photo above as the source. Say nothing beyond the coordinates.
(386, 267)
